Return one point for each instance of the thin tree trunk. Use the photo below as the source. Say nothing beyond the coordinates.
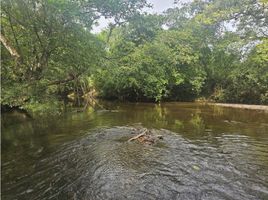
(7, 45)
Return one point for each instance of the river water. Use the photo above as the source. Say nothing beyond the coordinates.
(207, 152)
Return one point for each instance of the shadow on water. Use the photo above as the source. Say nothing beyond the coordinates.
(208, 152)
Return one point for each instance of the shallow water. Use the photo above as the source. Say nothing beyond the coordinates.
(208, 152)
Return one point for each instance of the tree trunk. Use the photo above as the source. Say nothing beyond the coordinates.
(10, 49)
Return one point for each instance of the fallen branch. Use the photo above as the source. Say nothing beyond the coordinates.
(69, 79)
(138, 136)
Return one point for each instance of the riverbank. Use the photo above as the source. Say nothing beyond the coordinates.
(243, 106)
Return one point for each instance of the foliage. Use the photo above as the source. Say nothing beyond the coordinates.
(153, 71)
(47, 47)
(214, 49)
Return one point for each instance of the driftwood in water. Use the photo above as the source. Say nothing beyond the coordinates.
(145, 138)
(138, 136)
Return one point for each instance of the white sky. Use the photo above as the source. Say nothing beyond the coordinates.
(161, 5)
(158, 7)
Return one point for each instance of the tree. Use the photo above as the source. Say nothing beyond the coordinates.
(51, 46)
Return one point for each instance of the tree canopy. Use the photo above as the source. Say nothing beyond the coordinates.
(214, 49)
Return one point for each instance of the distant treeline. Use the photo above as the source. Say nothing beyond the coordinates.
(214, 49)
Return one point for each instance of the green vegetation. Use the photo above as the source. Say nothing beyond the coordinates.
(215, 49)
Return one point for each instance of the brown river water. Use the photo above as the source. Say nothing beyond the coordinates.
(207, 152)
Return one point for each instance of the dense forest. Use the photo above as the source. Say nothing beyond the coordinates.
(214, 50)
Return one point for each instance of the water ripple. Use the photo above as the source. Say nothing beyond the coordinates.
(103, 165)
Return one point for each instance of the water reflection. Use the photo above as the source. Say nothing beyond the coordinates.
(208, 152)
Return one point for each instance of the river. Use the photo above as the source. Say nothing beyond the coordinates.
(207, 152)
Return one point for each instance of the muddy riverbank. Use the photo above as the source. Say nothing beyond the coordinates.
(243, 106)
